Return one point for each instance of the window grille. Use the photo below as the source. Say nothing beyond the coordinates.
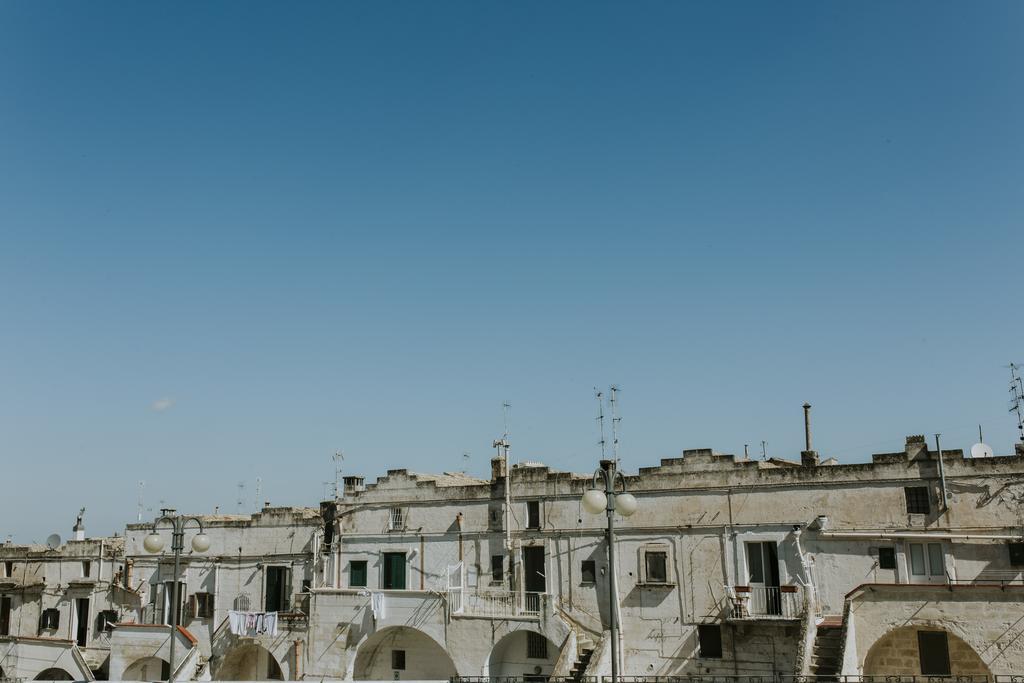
(536, 646)
(396, 521)
(917, 500)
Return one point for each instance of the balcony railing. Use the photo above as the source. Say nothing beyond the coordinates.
(501, 605)
(766, 602)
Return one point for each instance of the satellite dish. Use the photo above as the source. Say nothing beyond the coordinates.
(981, 450)
(52, 541)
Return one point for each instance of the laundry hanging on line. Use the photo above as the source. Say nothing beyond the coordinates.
(252, 623)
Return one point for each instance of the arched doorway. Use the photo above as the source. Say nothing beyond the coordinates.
(522, 653)
(410, 653)
(54, 674)
(922, 650)
(248, 662)
(147, 669)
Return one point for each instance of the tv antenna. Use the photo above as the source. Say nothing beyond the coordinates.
(502, 445)
(240, 502)
(259, 492)
(1017, 400)
(465, 460)
(764, 449)
(600, 418)
(613, 400)
(338, 458)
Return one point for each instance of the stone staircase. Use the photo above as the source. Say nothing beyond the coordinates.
(584, 651)
(827, 645)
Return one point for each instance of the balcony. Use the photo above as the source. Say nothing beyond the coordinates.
(756, 603)
(497, 604)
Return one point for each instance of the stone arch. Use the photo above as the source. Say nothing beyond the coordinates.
(248, 662)
(896, 652)
(517, 655)
(147, 669)
(424, 658)
(54, 674)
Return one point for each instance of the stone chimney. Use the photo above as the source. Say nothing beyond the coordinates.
(497, 468)
(1018, 448)
(78, 530)
(916, 447)
(808, 456)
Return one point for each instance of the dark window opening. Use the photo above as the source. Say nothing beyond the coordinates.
(917, 500)
(1016, 554)
(536, 646)
(657, 567)
(588, 571)
(105, 620)
(887, 558)
(934, 653)
(533, 514)
(86, 568)
(9, 569)
(49, 618)
(204, 605)
(357, 574)
(497, 568)
(398, 659)
(709, 640)
(394, 571)
(5, 616)
(278, 589)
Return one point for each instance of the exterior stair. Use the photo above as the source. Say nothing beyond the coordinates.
(827, 646)
(584, 651)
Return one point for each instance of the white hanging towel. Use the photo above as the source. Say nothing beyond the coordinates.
(270, 623)
(236, 622)
(378, 606)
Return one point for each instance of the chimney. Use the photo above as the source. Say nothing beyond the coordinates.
(916, 447)
(497, 468)
(808, 456)
(79, 529)
(353, 484)
(1018, 448)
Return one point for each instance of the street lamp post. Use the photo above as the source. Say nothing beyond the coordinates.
(594, 501)
(154, 543)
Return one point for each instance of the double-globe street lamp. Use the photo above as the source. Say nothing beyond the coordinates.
(154, 543)
(594, 501)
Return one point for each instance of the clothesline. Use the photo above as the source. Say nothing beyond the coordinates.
(252, 623)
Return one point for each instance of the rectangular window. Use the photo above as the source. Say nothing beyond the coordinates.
(936, 563)
(536, 646)
(657, 566)
(709, 639)
(934, 653)
(755, 562)
(588, 571)
(279, 588)
(357, 574)
(917, 559)
(398, 660)
(49, 619)
(86, 568)
(396, 521)
(533, 514)
(5, 616)
(917, 500)
(497, 568)
(105, 620)
(204, 605)
(887, 558)
(394, 571)
(9, 569)
(1016, 554)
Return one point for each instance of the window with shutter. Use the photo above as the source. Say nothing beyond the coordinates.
(357, 574)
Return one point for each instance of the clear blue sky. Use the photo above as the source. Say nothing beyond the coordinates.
(235, 237)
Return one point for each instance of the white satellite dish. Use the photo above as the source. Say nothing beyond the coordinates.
(52, 541)
(981, 450)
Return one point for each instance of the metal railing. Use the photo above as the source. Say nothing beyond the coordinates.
(499, 605)
(767, 602)
(539, 678)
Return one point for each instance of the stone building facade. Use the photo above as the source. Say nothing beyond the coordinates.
(908, 564)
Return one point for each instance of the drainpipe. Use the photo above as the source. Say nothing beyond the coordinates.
(942, 474)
